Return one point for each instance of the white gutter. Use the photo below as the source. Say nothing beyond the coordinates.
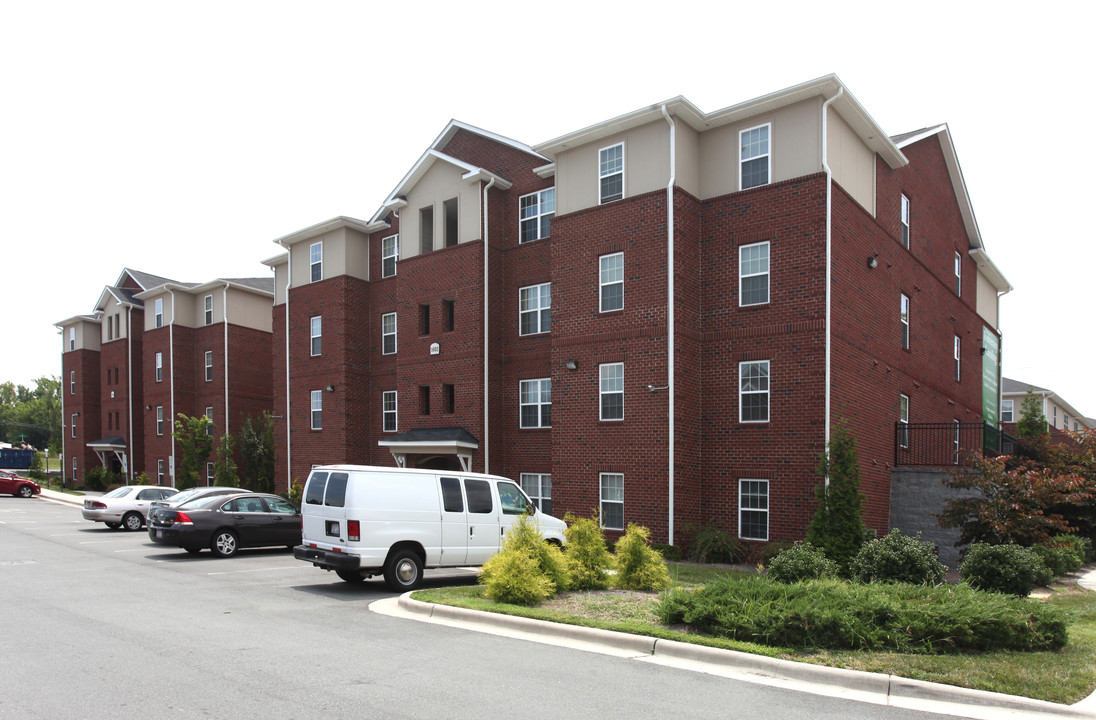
(486, 338)
(171, 362)
(224, 300)
(670, 337)
(129, 390)
(829, 267)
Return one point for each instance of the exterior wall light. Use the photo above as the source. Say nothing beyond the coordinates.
(571, 365)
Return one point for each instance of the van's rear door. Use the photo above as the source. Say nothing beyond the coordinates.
(323, 514)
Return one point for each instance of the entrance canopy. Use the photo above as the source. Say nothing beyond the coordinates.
(448, 441)
(112, 444)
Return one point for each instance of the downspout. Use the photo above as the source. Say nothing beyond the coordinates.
(486, 338)
(670, 327)
(224, 308)
(829, 267)
(288, 434)
(171, 364)
(129, 391)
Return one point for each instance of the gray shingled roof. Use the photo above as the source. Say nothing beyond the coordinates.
(147, 281)
(265, 284)
(1010, 386)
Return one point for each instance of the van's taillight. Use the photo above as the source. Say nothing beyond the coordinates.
(99, 505)
(353, 530)
(183, 519)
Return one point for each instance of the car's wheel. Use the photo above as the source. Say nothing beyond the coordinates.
(224, 543)
(403, 571)
(350, 576)
(113, 526)
(26, 491)
(132, 521)
(193, 551)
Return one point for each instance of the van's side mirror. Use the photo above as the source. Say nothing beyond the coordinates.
(531, 509)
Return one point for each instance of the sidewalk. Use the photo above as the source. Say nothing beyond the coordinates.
(60, 497)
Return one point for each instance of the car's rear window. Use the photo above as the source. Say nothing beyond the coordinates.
(313, 493)
(336, 489)
(203, 502)
(119, 492)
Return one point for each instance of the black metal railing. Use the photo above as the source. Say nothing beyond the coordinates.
(948, 444)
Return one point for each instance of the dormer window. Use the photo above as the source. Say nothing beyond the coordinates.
(611, 173)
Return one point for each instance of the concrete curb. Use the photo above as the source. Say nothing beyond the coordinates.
(884, 689)
(58, 497)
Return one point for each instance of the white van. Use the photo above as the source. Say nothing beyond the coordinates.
(361, 521)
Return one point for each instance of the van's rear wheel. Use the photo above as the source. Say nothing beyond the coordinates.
(350, 576)
(403, 571)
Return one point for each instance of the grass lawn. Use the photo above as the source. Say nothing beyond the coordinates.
(1065, 676)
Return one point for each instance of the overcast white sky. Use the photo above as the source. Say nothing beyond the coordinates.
(181, 139)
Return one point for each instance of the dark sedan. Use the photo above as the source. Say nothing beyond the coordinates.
(224, 524)
(157, 506)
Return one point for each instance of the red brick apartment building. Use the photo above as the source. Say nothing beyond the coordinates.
(154, 348)
(506, 310)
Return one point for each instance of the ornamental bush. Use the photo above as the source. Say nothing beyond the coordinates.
(639, 566)
(712, 544)
(1060, 559)
(1008, 569)
(802, 561)
(588, 558)
(527, 569)
(898, 558)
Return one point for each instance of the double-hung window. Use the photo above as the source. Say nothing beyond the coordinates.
(956, 354)
(753, 274)
(612, 501)
(611, 377)
(209, 419)
(1006, 411)
(159, 419)
(903, 421)
(159, 470)
(538, 486)
(754, 157)
(159, 304)
(753, 391)
(611, 173)
(536, 403)
(317, 409)
(211, 474)
(753, 509)
(388, 410)
(315, 261)
(72, 424)
(905, 222)
(535, 309)
(209, 366)
(72, 335)
(315, 332)
(208, 302)
(388, 334)
(390, 255)
(611, 282)
(958, 274)
(159, 367)
(535, 213)
(904, 317)
(72, 382)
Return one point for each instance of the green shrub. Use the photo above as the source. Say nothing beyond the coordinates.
(711, 544)
(546, 568)
(771, 550)
(830, 614)
(1009, 569)
(99, 478)
(296, 490)
(668, 552)
(898, 558)
(588, 558)
(1081, 544)
(1060, 559)
(802, 561)
(639, 566)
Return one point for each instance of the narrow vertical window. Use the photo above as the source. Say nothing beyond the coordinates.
(611, 282)
(159, 470)
(754, 156)
(208, 309)
(1006, 411)
(905, 222)
(753, 391)
(753, 274)
(159, 419)
(388, 333)
(72, 424)
(611, 376)
(209, 421)
(536, 403)
(388, 410)
(955, 455)
(72, 338)
(452, 224)
(448, 315)
(211, 474)
(159, 312)
(957, 376)
(315, 261)
(424, 399)
(903, 421)
(315, 332)
(753, 509)
(390, 255)
(209, 366)
(535, 309)
(535, 213)
(424, 319)
(426, 230)
(958, 274)
(611, 173)
(448, 399)
(317, 409)
(72, 382)
(904, 318)
(538, 486)
(159, 367)
(612, 501)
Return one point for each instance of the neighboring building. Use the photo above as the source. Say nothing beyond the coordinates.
(506, 310)
(1060, 415)
(154, 348)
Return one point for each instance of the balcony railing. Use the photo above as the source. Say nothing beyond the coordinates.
(947, 444)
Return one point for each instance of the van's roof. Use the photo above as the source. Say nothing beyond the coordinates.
(412, 471)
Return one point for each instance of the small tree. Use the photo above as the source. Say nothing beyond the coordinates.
(224, 466)
(1033, 422)
(837, 526)
(588, 559)
(195, 445)
(639, 566)
(257, 452)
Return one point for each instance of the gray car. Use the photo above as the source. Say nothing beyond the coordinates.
(183, 496)
(125, 506)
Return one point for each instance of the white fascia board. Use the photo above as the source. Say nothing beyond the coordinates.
(78, 319)
(678, 106)
(441, 446)
(277, 260)
(988, 268)
(545, 171)
(396, 198)
(324, 227)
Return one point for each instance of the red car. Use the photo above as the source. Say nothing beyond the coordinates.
(12, 484)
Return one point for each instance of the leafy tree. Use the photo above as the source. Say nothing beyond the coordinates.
(194, 445)
(224, 465)
(1032, 422)
(32, 415)
(257, 452)
(837, 526)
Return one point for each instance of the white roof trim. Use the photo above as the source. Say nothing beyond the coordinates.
(426, 161)
(327, 226)
(454, 125)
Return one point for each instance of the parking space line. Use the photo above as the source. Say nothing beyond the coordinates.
(234, 572)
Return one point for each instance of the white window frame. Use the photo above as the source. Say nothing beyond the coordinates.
(538, 486)
(211, 474)
(535, 393)
(904, 319)
(610, 386)
(389, 406)
(743, 274)
(209, 365)
(613, 280)
(159, 419)
(958, 274)
(208, 304)
(316, 410)
(315, 262)
(159, 471)
(904, 420)
(766, 153)
(610, 498)
(535, 304)
(72, 382)
(904, 222)
(389, 333)
(315, 335)
(159, 367)
(752, 498)
(535, 210)
(744, 389)
(604, 172)
(390, 255)
(958, 376)
(72, 338)
(209, 417)
(1008, 408)
(159, 305)
(955, 456)
(72, 424)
